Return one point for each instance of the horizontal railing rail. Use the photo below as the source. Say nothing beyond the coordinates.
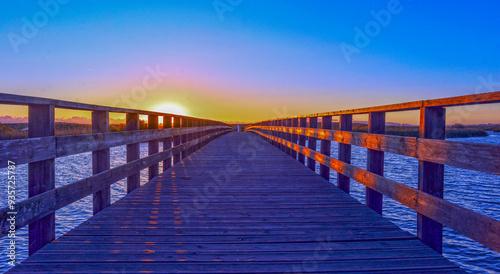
(23, 151)
(482, 98)
(181, 136)
(451, 153)
(430, 149)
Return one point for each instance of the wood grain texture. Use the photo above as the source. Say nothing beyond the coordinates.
(325, 147)
(481, 98)
(167, 141)
(220, 213)
(133, 151)
(14, 99)
(153, 146)
(452, 153)
(44, 204)
(431, 176)
(478, 227)
(375, 160)
(311, 144)
(100, 161)
(344, 155)
(28, 150)
(41, 176)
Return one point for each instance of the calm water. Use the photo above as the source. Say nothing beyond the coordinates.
(473, 190)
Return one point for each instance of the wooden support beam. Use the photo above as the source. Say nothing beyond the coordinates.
(302, 139)
(288, 136)
(274, 133)
(185, 137)
(133, 151)
(345, 124)
(375, 160)
(281, 135)
(41, 176)
(431, 176)
(295, 137)
(153, 146)
(326, 147)
(167, 142)
(311, 143)
(100, 160)
(177, 139)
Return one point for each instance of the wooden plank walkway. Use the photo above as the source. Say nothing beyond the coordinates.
(237, 205)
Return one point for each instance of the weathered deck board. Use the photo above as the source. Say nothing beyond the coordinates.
(237, 205)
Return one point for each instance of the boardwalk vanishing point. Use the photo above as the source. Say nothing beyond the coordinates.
(261, 212)
(244, 202)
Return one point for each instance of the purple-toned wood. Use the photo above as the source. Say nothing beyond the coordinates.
(326, 146)
(311, 143)
(167, 142)
(101, 160)
(288, 136)
(177, 139)
(295, 137)
(41, 176)
(345, 124)
(133, 151)
(153, 146)
(431, 176)
(185, 137)
(302, 139)
(375, 161)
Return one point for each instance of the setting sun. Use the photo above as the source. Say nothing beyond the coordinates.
(171, 108)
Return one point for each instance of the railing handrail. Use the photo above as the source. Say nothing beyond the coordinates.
(15, 99)
(481, 98)
(429, 148)
(452, 153)
(181, 135)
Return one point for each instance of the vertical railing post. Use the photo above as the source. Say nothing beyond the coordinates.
(375, 160)
(41, 176)
(101, 160)
(295, 137)
(280, 135)
(288, 136)
(153, 145)
(431, 175)
(133, 151)
(326, 147)
(302, 139)
(185, 137)
(167, 142)
(273, 133)
(311, 143)
(345, 124)
(177, 139)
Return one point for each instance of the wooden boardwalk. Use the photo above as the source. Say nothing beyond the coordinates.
(237, 205)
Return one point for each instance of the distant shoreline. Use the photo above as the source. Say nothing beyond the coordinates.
(10, 131)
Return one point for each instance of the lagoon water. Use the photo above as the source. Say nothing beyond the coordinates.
(473, 190)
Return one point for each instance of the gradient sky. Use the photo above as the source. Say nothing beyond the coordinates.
(263, 59)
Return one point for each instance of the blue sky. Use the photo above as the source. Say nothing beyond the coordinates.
(262, 58)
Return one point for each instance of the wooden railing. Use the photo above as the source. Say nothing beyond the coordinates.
(181, 135)
(430, 148)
